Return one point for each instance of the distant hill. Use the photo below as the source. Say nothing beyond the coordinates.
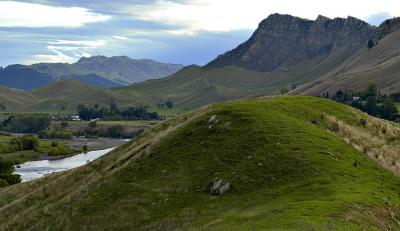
(98, 71)
(286, 163)
(66, 95)
(284, 50)
(379, 64)
(125, 70)
(119, 69)
(22, 77)
(15, 99)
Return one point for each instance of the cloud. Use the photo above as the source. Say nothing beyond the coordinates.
(378, 18)
(68, 51)
(177, 31)
(228, 15)
(22, 14)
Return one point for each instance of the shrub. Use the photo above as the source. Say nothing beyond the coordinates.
(6, 167)
(64, 124)
(363, 122)
(92, 124)
(29, 142)
(61, 150)
(116, 131)
(3, 183)
(27, 123)
(55, 135)
(85, 148)
(11, 178)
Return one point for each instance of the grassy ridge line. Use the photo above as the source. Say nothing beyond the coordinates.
(286, 172)
(73, 182)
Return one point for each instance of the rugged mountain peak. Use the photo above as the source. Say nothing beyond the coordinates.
(322, 19)
(389, 26)
(284, 40)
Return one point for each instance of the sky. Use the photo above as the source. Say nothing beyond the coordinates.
(173, 31)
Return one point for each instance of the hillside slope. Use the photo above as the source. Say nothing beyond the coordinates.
(66, 95)
(284, 50)
(379, 64)
(285, 159)
(14, 99)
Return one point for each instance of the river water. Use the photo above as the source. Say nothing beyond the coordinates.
(36, 169)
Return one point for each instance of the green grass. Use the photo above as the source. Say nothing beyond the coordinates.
(286, 170)
(130, 122)
(168, 112)
(29, 155)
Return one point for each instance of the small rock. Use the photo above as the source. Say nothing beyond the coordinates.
(220, 187)
(212, 121)
(224, 188)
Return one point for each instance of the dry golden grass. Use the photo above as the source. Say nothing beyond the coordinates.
(378, 139)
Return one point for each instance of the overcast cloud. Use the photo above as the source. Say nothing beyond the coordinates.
(175, 31)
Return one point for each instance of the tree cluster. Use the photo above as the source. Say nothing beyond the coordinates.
(113, 113)
(24, 143)
(29, 123)
(370, 101)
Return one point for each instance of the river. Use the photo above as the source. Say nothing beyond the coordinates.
(36, 169)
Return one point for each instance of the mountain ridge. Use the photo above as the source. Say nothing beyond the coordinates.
(377, 64)
(284, 51)
(100, 71)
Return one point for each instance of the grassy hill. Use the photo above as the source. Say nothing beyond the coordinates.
(291, 162)
(68, 94)
(14, 99)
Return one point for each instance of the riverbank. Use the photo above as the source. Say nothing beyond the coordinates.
(33, 170)
(77, 143)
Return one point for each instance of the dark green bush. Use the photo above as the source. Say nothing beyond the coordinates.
(55, 135)
(3, 183)
(61, 150)
(11, 178)
(27, 123)
(29, 142)
(6, 167)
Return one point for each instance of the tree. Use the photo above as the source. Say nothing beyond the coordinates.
(113, 106)
(169, 104)
(370, 107)
(64, 124)
(388, 109)
(372, 90)
(339, 95)
(370, 44)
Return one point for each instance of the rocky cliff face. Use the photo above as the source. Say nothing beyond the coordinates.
(388, 27)
(284, 40)
(379, 64)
